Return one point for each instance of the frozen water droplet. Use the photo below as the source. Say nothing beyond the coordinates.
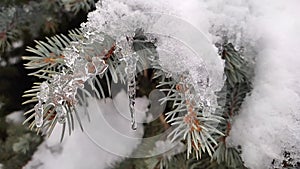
(44, 92)
(39, 113)
(133, 125)
(70, 56)
(61, 113)
(131, 86)
(132, 112)
(69, 91)
(78, 74)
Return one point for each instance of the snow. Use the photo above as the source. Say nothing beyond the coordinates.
(171, 148)
(17, 44)
(178, 38)
(269, 122)
(15, 117)
(103, 142)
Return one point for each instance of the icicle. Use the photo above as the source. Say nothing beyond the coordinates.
(131, 85)
(39, 113)
(124, 45)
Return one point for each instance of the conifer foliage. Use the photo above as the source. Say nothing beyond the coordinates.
(84, 63)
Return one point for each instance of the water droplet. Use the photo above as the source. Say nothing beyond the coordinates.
(133, 125)
(70, 56)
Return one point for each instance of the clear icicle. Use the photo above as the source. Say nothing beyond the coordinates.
(39, 113)
(131, 86)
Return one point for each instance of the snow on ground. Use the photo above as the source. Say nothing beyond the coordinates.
(78, 151)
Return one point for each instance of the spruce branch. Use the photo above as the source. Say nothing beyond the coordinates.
(188, 116)
(63, 89)
(61, 60)
(237, 87)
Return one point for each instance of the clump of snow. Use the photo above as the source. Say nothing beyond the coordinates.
(182, 46)
(269, 122)
(170, 148)
(15, 117)
(82, 149)
(3, 63)
(14, 60)
(17, 44)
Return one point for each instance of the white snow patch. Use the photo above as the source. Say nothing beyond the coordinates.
(17, 44)
(78, 151)
(270, 119)
(15, 117)
(170, 148)
(3, 63)
(14, 60)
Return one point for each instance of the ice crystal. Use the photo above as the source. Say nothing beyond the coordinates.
(39, 113)
(70, 56)
(131, 85)
(44, 92)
